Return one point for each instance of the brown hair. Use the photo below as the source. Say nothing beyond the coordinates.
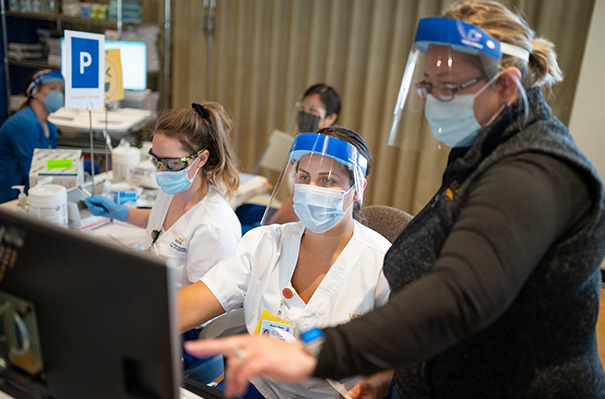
(509, 27)
(210, 132)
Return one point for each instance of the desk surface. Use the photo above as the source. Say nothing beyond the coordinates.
(134, 237)
(119, 122)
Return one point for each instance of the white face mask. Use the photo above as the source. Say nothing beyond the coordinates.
(453, 122)
(318, 208)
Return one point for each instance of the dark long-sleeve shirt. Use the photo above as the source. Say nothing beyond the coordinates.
(518, 209)
(496, 281)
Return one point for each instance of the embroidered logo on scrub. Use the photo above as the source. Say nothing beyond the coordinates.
(178, 245)
(452, 190)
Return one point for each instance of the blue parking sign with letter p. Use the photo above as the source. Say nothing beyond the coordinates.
(85, 63)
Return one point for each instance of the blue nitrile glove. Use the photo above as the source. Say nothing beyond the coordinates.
(101, 206)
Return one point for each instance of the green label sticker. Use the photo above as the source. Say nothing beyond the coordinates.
(59, 164)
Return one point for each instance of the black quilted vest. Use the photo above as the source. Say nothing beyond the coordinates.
(545, 343)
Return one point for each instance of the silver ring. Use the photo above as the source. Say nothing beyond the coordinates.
(240, 354)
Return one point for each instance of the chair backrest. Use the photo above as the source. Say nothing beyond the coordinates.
(276, 152)
(384, 219)
(230, 323)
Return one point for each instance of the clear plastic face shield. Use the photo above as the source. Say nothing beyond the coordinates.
(50, 84)
(326, 171)
(451, 63)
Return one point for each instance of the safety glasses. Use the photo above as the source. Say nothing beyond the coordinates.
(444, 92)
(173, 164)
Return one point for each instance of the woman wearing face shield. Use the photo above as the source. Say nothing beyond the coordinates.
(496, 282)
(321, 271)
(319, 108)
(29, 129)
(191, 222)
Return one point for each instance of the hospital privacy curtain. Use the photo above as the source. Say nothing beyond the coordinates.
(267, 52)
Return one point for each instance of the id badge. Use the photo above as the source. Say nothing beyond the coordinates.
(273, 326)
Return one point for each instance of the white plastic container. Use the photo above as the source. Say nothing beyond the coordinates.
(49, 202)
(124, 159)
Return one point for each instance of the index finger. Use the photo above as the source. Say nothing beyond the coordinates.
(209, 347)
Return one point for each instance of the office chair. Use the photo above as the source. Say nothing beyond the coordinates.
(211, 370)
(230, 323)
(386, 220)
(276, 152)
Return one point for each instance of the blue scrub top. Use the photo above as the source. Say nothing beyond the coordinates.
(19, 136)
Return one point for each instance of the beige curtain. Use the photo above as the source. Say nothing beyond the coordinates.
(267, 52)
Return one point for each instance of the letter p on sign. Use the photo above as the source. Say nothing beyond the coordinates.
(85, 63)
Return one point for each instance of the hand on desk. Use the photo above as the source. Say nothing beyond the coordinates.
(101, 206)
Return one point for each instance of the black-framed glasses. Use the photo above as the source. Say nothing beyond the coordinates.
(173, 164)
(446, 91)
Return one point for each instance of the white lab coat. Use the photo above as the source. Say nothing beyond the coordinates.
(262, 267)
(201, 238)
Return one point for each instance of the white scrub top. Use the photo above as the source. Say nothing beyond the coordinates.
(262, 266)
(201, 238)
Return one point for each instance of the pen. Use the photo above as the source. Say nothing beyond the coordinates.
(84, 191)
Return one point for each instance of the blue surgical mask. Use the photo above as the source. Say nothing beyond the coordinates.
(174, 182)
(318, 208)
(54, 101)
(453, 122)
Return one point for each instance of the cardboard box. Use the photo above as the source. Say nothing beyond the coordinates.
(65, 166)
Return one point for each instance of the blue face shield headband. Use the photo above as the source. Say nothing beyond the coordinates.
(343, 152)
(458, 36)
(44, 77)
(323, 148)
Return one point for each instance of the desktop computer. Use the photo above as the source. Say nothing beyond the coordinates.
(80, 318)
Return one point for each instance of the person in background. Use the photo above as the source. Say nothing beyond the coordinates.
(28, 129)
(321, 271)
(319, 108)
(191, 222)
(496, 282)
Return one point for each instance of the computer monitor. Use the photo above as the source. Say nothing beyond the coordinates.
(81, 318)
(134, 63)
(133, 56)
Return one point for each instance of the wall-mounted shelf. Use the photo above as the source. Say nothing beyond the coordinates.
(87, 23)
(62, 18)
(37, 64)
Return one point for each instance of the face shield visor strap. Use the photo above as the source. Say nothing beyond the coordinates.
(459, 36)
(322, 147)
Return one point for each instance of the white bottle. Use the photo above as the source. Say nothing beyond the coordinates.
(21, 198)
(49, 202)
(124, 159)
